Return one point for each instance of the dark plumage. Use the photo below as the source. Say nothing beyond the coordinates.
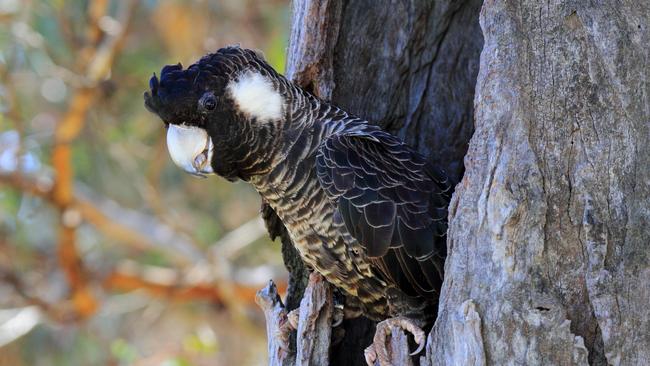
(362, 208)
(392, 202)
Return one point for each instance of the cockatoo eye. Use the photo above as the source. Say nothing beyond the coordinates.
(208, 102)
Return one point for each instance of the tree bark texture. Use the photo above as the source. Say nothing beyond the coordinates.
(275, 315)
(408, 66)
(549, 227)
(549, 244)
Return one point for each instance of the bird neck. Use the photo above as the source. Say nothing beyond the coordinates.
(309, 121)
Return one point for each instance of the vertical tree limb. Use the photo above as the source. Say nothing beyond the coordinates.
(549, 226)
(276, 320)
(408, 66)
(314, 32)
(314, 331)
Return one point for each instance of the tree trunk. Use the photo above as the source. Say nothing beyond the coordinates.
(549, 227)
(548, 240)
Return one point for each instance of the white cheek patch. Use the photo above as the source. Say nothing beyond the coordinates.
(254, 95)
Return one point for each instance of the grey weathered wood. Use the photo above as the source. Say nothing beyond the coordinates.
(408, 66)
(549, 231)
(411, 66)
(549, 227)
(399, 348)
(314, 31)
(315, 323)
(468, 341)
(276, 319)
(312, 320)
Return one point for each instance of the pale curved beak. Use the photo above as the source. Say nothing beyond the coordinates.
(191, 149)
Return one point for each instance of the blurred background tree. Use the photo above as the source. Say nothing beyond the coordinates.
(108, 253)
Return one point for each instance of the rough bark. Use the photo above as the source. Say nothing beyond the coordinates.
(548, 241)
(312, 320)
(411, 66)
(408, 66)
(275, 316)
(549, 226)
(315, 323)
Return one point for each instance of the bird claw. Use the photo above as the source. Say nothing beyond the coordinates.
(378, 350)
(293, 318)
(370, 355)
(284, 331)
(421, 345)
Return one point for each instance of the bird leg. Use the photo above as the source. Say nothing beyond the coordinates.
(287, 326)
(378, 350)
(294, 316)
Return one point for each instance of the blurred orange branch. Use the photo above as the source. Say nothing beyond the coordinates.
(127, 282)
(61, 312)
(217, 289)
(62, 196)
(96, 11)
(101, 218)
(172, 284)
(96, 55)
(96, 67)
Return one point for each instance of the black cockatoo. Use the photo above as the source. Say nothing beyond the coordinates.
(362, 208)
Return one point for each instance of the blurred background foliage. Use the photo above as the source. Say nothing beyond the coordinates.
(110, 255)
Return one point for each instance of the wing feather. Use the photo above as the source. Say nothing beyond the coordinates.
(392, 201)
